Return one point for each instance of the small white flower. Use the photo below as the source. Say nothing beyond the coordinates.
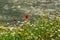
(36, 28)
(59, 35)
(52, 39)
(21, 24)
(18, 21)
(32, 34)
(2, 33)
(18, 6)
(51, 35)
(31, 25)
(42, 39)
(25, 21)
(55, 31)
(11, 28)
(42, 27)
(36, 38)
(59, 30)
(8, 23)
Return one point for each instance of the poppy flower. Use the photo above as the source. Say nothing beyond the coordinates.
(26, 16)
(14, 19)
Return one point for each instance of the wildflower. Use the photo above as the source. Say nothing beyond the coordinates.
(21, 29)
(36, 37)
(51, 35)
(18, 21)
(22, 22)
(20, 33)
(17, 8)
(39, 36)
(43, 14)
(14, 19)
(1, 26)
(32, 34)
(58, 18)
(11, 28)
(36, 28)
(51, 23)
(32, 25)
(1, 33)
(8, 23)
(59, 30)
(26, 16)
(26, 34)
(28, 23)
(52, 39)
(25, 21)
(59, 35)
(15, 28)
(4, 28)
(22, 25)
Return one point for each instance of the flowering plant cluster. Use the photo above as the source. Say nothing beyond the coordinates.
(30, 20)
(43, 28)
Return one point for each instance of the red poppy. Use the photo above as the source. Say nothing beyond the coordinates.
(26, 16)
(14, 19)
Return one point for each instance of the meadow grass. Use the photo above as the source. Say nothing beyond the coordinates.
(43, 28)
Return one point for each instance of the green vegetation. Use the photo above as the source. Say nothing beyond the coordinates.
(42, 29)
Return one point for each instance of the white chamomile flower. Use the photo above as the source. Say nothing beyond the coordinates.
(11, 28)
